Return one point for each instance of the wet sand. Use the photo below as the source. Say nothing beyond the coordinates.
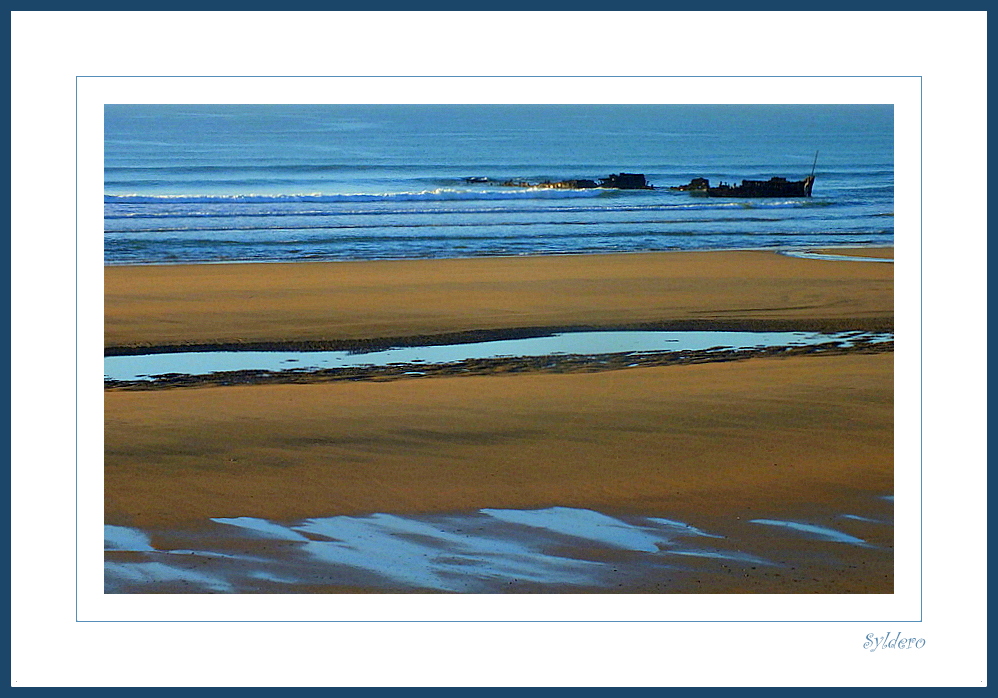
(789, 438)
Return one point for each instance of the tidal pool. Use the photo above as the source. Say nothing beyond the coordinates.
(200, 363)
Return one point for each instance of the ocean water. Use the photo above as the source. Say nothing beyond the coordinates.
(242, 183)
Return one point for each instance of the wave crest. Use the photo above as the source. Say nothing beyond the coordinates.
(433, 195)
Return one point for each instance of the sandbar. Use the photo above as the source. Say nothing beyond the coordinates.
(223, 304)
(712, 438)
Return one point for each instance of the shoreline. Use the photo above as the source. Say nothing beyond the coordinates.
(782, 249)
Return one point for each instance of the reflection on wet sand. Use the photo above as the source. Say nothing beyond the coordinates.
(553, 550)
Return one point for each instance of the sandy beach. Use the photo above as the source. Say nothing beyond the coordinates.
(275, 303)
(771, 438)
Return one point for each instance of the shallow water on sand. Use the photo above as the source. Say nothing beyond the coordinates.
(559, 549)
(807, 254)
(148, 366)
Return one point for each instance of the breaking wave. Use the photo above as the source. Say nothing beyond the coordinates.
(434, 195)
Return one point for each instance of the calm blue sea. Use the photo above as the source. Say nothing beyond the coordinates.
(239, 183)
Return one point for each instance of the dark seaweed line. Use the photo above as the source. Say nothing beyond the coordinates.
(569, 363)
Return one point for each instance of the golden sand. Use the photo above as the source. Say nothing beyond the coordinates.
(764, 437)
(226, 303)
(753, 434)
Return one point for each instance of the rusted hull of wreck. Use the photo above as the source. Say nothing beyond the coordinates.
(623, 180)
(776, 187)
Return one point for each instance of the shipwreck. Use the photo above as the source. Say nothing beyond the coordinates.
(622, 180)
(775, 187)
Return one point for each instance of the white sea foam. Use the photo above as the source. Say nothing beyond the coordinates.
(428, 195)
